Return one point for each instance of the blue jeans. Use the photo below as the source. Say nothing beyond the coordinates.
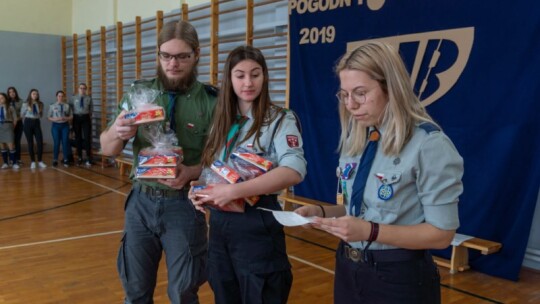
(60, 134)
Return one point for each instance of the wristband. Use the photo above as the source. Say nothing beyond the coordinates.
(322, 209)
(374, 232)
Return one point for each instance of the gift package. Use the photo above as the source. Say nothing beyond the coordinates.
(245, 166)
(161, 159)
(141, 105)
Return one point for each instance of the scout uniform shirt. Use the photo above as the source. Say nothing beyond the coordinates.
(8, 114)
(421, 184)
(284, 148)
(59, 110)
(194, 110)
(33, 112)
(87, 105)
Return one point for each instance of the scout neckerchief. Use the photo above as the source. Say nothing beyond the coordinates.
(35, 109)
(2, 115)
(363, 172)
(233, 134)
(172, 109)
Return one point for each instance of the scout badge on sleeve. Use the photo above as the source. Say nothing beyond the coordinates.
(292, 141)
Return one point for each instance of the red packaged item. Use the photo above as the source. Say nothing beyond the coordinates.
(252, 159)
(169, 157)
(250, 165)
(155, 172)
(234, 206)
(226, 172)
(146, 114)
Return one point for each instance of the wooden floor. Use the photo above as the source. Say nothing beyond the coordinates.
(60, 230)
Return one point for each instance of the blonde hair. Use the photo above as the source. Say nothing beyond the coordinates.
(403, 111)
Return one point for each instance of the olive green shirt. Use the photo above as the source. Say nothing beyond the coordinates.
(193, 114)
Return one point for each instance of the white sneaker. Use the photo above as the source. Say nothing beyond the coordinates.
(33, 165)
(16, 167)
(42, 165)
(5, 166)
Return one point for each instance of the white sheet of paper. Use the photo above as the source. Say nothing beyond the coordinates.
(289, 218)
(460, 238)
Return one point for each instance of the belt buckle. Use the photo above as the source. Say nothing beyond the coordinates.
(158, 192)
(355, 255)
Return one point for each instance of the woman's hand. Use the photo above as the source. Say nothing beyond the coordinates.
(347, 228)
(195, 197)
(217, 194)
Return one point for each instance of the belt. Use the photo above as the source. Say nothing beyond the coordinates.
(373, 256)
(165, 193)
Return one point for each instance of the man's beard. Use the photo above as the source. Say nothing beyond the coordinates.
(179, 85)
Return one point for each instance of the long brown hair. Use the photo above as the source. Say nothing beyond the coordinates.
(30, 101)
(227, 104)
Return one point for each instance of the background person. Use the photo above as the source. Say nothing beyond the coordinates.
(401, 204)
(31, 113)
(177, 229)
(247, 258)
(8, 117)
(60, 114)
(16, 102)
(82, 106)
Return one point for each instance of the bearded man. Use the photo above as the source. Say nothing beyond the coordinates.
(158, 215)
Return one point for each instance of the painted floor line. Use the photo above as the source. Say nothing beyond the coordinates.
(62, 240)
(311, 264)
(92, 182)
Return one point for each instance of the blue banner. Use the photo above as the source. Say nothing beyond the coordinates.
(474, 65)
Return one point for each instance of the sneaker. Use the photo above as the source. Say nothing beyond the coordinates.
(55, 163)
(20, 163)
(16, 167)
(5, 166)
(42, 165)
(66, 164)
(88, 164)
(33, 165)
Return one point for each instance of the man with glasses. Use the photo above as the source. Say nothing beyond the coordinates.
(81, 105)
(159, 216)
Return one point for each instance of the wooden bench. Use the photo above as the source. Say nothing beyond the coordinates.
(125, 162)
(460, 253)
(459, 260)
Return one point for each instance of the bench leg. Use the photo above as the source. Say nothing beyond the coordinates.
(460, 259)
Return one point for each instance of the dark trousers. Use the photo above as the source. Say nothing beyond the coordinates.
(156, 223)
(82, 126)
(18, 132)
(414, 281)
(60, 134)
(32, 128)
(247, 257)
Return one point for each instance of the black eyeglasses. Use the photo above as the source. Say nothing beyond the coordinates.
(180, 57)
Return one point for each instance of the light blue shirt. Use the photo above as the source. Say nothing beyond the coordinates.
(287, 142)
(425, 179)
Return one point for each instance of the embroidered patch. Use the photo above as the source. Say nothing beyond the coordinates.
(292, 141)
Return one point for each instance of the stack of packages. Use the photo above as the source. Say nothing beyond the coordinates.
(160, 160)
(247, 165)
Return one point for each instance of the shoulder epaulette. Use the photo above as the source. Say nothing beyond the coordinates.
(429, 127)
(211, 90)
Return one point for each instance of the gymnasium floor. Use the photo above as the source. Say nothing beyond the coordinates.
(60, 230)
